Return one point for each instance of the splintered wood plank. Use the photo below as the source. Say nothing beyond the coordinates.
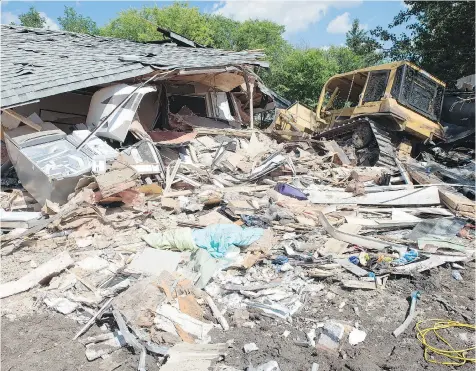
(23, 119)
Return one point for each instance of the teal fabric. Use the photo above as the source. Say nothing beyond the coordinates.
(218, 238)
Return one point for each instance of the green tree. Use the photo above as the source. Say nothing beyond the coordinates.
(359, 41)
(32, 18)
(302, 73)
(440, 37)
(207, 29)
(141, 24)
(224, 31)
(74, 22)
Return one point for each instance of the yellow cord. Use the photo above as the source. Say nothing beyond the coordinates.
(456, 357)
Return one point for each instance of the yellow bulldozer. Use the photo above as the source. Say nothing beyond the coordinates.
(379, 107)
(374, 110)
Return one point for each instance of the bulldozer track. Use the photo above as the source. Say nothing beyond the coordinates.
(386, 149)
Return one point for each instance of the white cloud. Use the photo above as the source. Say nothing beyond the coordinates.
(340, 24)
(50, 24)
(9, 17)
(325, 47)
(295, 16)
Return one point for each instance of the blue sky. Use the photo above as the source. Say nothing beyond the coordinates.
(308, 23)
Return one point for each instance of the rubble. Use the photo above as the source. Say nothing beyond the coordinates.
(174, 238)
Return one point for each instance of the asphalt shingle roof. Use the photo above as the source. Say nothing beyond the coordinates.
(37, 63)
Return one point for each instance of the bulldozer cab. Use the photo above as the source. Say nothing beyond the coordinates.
(400, 94)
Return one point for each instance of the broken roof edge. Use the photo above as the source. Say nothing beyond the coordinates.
(259, 53)
(143, 71)
(23, 99)
(14, 93)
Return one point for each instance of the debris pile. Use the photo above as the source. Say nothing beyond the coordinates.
(229, 226)
(174, 213)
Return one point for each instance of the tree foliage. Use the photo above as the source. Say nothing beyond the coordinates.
(74, 22)
(440, 40)
(362, 44)
(141, 24)
(302, 73)
(32, 18)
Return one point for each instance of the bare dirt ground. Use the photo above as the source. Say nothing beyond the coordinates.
(379, 314)
(42, 340)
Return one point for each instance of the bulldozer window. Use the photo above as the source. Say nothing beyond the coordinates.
(376, 86)
(350, 88)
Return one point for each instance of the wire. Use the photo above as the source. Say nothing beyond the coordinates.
(456, 357)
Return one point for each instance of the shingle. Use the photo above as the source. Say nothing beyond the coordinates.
(37, 63)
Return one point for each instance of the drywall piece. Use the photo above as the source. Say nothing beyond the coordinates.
(117, 180)
(189, 324)
(97, 350)
(351, 267)
(255, 146)
(422, 196)
(93, 263)
(334, 246)
(153, 261)
(399, 215)
(381, 223)
(46, 270)
(62, 305)
(432, 262)
(213, 217)
(193, 357)
(19, 216)
(367, 242)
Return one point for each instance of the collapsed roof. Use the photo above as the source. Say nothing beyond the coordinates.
(36, 63)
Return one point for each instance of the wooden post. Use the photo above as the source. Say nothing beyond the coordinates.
(252, 84)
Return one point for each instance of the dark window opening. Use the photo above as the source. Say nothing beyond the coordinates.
(196, 104)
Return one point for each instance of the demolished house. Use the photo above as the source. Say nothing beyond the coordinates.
(142, 201)
(69, 89)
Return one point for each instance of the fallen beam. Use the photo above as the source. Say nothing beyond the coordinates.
(51, 268)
